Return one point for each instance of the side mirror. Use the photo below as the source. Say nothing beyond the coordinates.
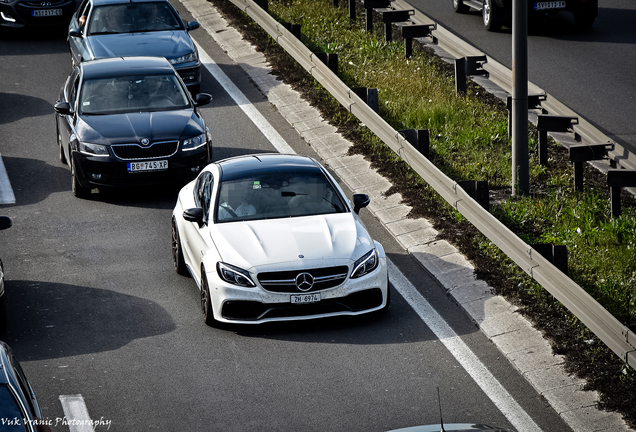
(192, 25)
(62, 108)
(194, 215)
(75, 32)
(360, 201)
(5, 222)
(202, 99)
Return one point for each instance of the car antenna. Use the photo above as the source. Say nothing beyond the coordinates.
(439, 403)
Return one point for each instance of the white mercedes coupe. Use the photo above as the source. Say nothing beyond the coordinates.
(270, 237)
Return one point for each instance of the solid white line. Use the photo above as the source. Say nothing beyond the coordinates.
(261, 123)
(462, 353)
(6, 192)
(76, 414)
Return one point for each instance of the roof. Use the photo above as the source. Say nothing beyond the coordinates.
(121, 66)
(260, 164)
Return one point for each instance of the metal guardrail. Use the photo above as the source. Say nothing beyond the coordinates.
(604, 325)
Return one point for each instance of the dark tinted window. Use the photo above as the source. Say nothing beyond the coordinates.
(10, 413)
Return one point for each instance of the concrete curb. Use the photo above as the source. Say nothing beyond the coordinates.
(524, 346)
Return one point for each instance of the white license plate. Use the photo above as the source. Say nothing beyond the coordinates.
(305, 298)
(46, 12)
(549, 5)
(147, 166)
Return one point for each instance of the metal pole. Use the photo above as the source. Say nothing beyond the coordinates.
(520, 156)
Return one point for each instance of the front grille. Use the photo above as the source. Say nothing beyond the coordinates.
(253, 311)
(153, 151)
(285, 281)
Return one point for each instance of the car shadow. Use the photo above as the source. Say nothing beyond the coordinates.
(18, 106)
(52, 320)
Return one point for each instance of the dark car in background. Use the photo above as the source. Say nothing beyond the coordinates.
(24, 13)
(130, 121)
(117, 28)
(19, 409)
(496, 13)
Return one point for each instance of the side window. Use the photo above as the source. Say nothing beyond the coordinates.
(85, 7)
(24, 385)
(203, 193)
(71, 88)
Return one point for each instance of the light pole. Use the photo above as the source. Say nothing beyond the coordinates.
(520, 156)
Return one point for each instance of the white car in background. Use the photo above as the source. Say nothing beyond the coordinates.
(272, 237)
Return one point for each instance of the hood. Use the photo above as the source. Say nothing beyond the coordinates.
(132, 127)
(325, 238)
(168, 44)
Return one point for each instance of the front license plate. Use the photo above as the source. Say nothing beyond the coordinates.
(305, 298)
(549, 5)
(46, 12)
(147, 166)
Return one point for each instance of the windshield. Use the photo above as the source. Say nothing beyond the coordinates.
(132, 93)
(275, 196)
(133, 17)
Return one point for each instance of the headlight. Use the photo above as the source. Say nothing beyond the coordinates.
(366, 264)
(234, 275)
(195, 142)
(192, 57)
(93, 149)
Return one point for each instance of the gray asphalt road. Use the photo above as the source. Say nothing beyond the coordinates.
(592, 71)
(96, 309)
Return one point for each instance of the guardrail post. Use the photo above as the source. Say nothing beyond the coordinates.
(369, 95)
(478, 190)
(414, 31)
(331, 60)
(556, 254)
(418, 138)
(471, 65)
(293, 28)
(616, 179)
(390, 16)
(584, 153)
(369, 5)
(263, 4)
(551, 123)
(534, 102)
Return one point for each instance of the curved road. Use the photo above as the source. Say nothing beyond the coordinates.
(592, 71)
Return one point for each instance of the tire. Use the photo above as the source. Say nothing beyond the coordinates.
(584, 19)
(78, 190)
(177, 251)
(206, 303)
(489, 16)
(460, 7)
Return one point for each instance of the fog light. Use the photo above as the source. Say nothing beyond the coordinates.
(195, 169)
(7, 17)
(96, 176)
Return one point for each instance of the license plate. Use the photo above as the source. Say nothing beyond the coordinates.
(46, 12)
(305, 298)
(549, 5)
(147, 166)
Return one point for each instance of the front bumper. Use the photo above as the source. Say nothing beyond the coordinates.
(232, 304)
(93, 171)
(36, 13)
(190, 75)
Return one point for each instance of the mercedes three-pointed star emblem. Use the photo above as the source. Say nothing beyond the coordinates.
(304, 281)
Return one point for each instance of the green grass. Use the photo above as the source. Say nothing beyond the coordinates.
(469, 141)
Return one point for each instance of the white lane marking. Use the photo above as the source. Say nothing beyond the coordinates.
(462, 353)
(261, 123)
(76, 414)
(6, 192)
